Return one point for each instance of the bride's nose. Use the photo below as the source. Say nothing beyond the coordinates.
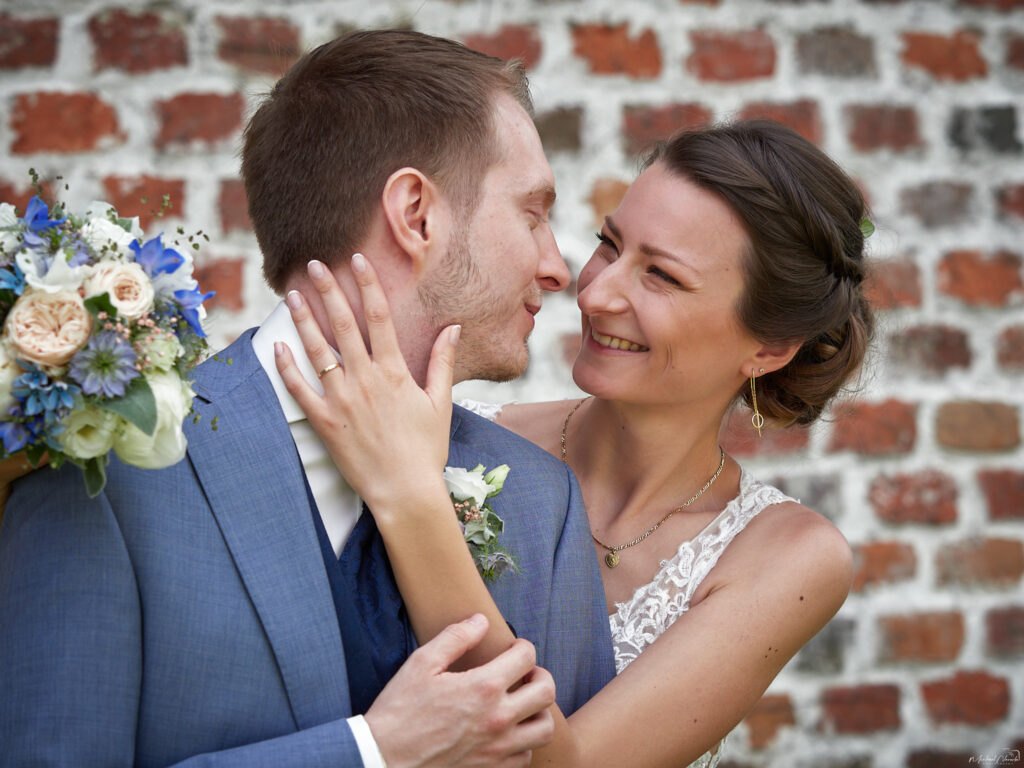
(604, 292)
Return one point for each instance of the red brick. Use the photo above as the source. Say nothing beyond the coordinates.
(993, 5)
(874, 429)
(970, 698)
(234, 207)
(981, 562)
(932, 758)
(893, 284)
(1004, 632)
(731, 56)
(874, 127)
(560, 129)
(836, 52)
(930, 348)
(739, 438)
(261, 44)
(802, 116)
(938, 203)
(882, 562)
(1004, 493)
(610, 51)
(512, 41)
(957, 58)
(1015, 51)
(926, 497)
(137, 42)
(643, 127)
(972, 425)
(985, 280)
(27, 42)
(1010, 348)
(1011, 200)
(861, 709)
(63, 122)
(769, 715)
(605, 196)
(921, 637)
(225, 277)
(142, 196)
(205, 117)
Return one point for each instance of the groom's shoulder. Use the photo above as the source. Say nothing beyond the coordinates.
(507, 447)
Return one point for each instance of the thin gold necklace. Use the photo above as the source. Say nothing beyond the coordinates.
(612, 558)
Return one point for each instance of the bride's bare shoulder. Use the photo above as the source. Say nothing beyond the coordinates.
(540, 423)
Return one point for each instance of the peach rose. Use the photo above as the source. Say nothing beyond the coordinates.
(48, 328)
(126, 283)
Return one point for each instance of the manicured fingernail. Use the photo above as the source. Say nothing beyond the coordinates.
(316, 269)
(453, 336)
(294, 299)
(278, 348)
(358, 262)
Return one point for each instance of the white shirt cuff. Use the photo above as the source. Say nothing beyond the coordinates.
(368, 749)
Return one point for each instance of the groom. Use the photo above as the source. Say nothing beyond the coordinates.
(218, 613)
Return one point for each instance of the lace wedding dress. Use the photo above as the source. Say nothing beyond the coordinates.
(655, 606)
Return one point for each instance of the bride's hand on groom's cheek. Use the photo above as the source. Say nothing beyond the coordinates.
(387, 435)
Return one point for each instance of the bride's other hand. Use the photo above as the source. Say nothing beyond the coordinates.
(386, 434)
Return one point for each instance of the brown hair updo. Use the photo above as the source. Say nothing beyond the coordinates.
(803, 275)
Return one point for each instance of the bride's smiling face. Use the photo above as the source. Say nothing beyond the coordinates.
(659, 298)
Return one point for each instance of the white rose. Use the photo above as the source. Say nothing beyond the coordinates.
(100, 210)
(88, 432)
(48, 328)
(9, 241)
(166, 446)
(61, 276)
(164, 350)
(464, 484)
(9, 371)
(126, 283)
(103, 233)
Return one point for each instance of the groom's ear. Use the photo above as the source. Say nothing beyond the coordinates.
(416, 214)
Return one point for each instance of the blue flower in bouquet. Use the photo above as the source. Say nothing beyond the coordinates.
(15, 434)
(154, 258)
(12, 279)
(190, 302)
(39, 394)
(105, 366)
(37, 216)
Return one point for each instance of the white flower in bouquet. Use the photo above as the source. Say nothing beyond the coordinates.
(88, 432)
(166, 446)
(9, 371)
(48, 328)
(59, 276)
(9, 240)
(128, 287)
(164, 351)
(102, 234)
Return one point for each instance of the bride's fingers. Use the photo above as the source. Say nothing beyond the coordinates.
(319, 352)
(309, 401)
(377, 311)
(342, 321)
(441, 368)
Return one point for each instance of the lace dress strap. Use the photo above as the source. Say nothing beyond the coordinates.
(490, 411)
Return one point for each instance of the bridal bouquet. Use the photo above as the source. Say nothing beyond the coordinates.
(99, 331)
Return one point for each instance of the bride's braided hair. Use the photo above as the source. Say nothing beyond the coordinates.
(804, 273)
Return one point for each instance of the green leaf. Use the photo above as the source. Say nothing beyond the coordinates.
(95, 473)
(100, 303)
(867, 228)
(137, 405)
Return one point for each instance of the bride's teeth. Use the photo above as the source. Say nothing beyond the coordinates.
(612, 342)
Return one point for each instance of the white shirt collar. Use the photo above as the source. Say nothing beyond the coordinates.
(279, 327)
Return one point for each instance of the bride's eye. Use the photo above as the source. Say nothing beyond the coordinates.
(662, 275)
(605, 240)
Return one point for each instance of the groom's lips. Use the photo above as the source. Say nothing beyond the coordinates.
(533, 309)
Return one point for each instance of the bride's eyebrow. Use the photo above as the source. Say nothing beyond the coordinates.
(650, 250)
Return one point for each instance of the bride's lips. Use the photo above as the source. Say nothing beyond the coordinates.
(615, 342)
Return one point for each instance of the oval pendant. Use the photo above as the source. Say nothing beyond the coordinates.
(611, 559)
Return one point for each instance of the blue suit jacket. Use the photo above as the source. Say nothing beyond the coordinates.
(185, 616)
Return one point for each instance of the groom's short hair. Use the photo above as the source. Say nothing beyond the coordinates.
(320, 148)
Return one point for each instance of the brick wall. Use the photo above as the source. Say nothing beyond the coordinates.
(920, 101)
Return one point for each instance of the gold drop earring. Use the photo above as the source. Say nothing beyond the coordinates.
(756, 419)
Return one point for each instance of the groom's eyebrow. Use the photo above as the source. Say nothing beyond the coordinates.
(543, 193)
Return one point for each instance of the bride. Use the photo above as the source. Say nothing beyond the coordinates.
(732, 270)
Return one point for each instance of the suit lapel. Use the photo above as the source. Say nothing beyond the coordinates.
(252, 478)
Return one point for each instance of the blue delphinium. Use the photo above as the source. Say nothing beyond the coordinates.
(154, 258)
(190, 301)
(12, 279)
(37, 216)
(105, 365)
(40, 395)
